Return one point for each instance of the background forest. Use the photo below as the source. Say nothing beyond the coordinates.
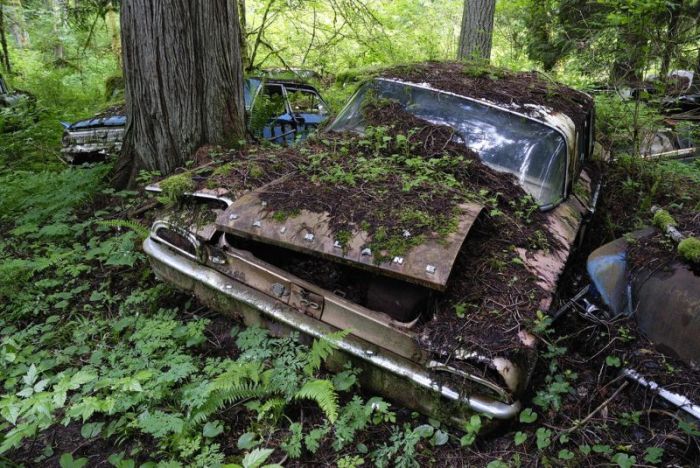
(101, 365)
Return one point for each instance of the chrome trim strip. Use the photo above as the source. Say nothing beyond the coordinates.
(207, 196)
(158, 225)
(307, 325)
(675, 399)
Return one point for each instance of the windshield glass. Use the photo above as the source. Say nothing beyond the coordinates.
(533, 152)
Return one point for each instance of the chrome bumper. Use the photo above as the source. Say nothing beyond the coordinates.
(218, 291)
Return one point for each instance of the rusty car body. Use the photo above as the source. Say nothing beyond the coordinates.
(234, 266)
(661, 296)
(301, 110)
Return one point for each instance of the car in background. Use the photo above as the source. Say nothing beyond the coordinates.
(279, 111)
(7, 98)
(253, 264)
(15, 107)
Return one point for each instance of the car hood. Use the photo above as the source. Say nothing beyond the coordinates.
(428, 264)
(95, 122)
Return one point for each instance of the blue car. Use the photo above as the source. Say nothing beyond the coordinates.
(279, 111)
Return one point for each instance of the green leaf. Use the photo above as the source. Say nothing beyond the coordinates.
(519, 438)
(247, 441)
(689, 428)
(344, 380)
(544, 438)
(67, 461)
(256, 458)
(653, 455)
(212, 429)
(613, 361)
(439, 439)
(497, 464)
(598, 448)
(424, 431)
(624, 461)
(528, 416)
(584, 449)
(565, 454)
(90, 430)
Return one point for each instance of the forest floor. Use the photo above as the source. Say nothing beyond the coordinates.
(102, 365)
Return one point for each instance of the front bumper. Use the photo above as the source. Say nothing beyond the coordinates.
(394, 376)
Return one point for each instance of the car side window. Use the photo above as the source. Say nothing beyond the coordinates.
(269, 105)
(305, 101)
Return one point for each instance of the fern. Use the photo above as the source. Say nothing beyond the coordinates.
(240, 381)
(323, 393)
(321, 349)
(125, 223)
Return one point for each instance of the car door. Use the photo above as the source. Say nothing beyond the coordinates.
(270, 118)
(307, 108)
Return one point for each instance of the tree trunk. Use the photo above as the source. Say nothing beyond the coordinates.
(671, 38)
(242, 31)
(184, 82)
(113, 29)
(4, 54)
(628, 66)
(18, 27)
(477, 29)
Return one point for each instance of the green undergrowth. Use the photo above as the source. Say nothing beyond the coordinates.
(100, 360)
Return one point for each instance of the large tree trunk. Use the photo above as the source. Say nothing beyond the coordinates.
(184, 82)
(477, 29)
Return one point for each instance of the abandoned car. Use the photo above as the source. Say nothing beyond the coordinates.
(7, 98)
(278, 111)
(651, 277)
(12, 104)
(431, 220)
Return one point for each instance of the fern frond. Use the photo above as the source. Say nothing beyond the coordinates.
(125, 223)
(220, 399)
(323, 393)
(321, 349)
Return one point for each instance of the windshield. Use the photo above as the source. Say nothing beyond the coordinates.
(533, 152)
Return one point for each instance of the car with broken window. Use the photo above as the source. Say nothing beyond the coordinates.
(430, 221)
(279, 111)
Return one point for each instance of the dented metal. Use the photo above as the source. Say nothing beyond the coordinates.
(255, 308)
(428, 264)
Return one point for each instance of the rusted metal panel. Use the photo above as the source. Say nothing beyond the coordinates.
(564, 223)
(667, 309)
(428, 264)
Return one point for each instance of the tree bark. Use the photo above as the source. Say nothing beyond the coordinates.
(184, 82)
(4, 54)
(671, 38)
(477, 29)
(242, 34)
